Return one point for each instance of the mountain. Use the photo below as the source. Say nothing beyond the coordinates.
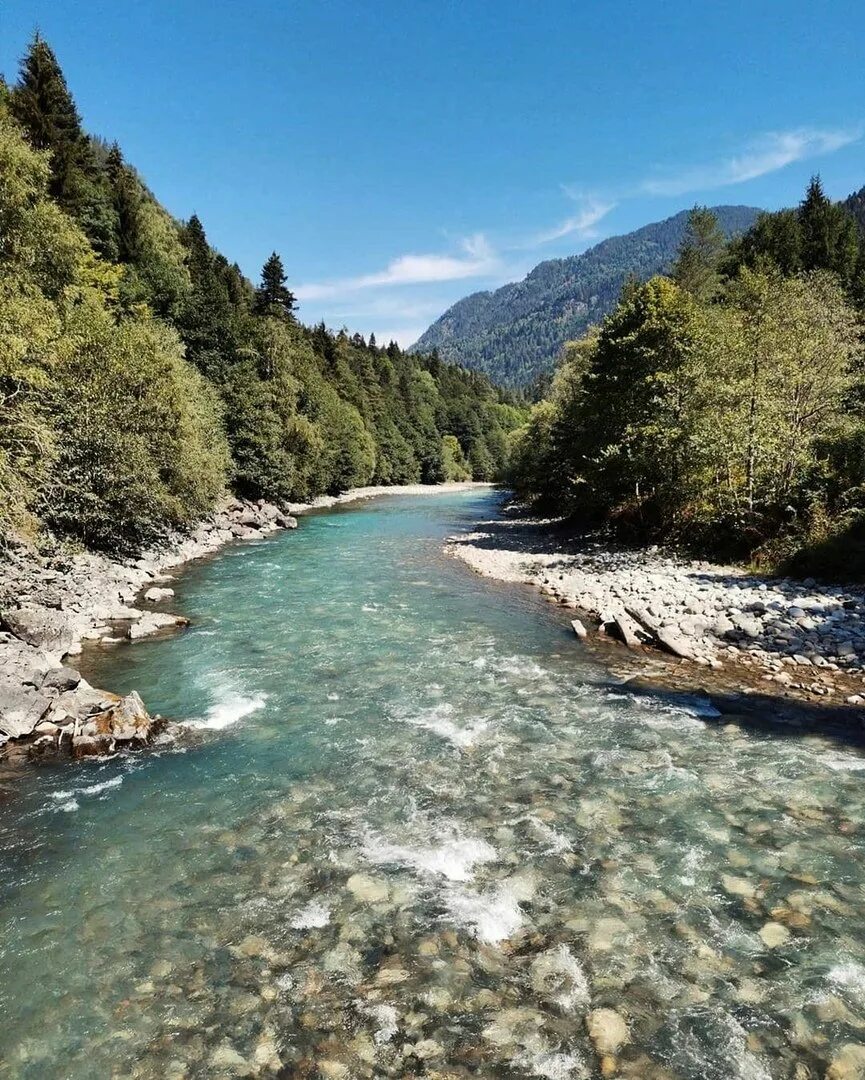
(514, 334)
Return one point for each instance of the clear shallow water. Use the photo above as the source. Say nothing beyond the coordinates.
(420, 833)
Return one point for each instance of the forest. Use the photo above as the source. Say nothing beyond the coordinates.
(722, 407)
(142, 375)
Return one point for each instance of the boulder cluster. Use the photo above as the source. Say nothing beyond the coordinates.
(50, 605)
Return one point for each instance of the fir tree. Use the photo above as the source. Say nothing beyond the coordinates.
(42, 104)
(829, 234)
(696, 267)
(273, 297)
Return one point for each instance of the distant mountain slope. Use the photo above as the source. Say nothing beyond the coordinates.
(856, 205)
(514, 334)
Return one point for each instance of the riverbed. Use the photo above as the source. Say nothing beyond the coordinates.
(418, 830)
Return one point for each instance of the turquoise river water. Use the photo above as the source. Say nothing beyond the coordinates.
(416, 830)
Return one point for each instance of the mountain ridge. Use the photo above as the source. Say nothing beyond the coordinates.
(514, 333)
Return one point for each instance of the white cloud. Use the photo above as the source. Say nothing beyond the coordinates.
(590, 211)
(765, 154)
(477, 259)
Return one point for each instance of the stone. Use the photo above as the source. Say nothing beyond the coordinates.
(154, 622)
(426, 1049)
(41, 627)
(848, 1063)
(675, 643)
(607, 1030)
(774, 935)
(629, 630)
(366, 888)
(737, 886)
(579, 629)
(125, 721)
(21, 708)
(61, 678)
(226, 1057)
(155, 594)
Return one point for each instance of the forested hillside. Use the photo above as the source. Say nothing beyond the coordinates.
(724, 406)
(141, 374)
(515, 333)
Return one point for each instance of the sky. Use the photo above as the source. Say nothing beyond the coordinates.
(401, 154)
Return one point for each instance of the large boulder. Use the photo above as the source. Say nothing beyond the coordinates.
(125, 721)
(157, 594)
(41, 627)
(21, 708)
(61, 678)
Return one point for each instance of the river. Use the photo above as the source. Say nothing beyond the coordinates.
(417, 830)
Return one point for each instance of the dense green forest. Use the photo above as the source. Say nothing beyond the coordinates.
(515, 334)
(723, 406)
(141, 374)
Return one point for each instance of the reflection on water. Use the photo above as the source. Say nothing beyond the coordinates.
(418, 834)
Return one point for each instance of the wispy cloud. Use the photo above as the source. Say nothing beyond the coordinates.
(476, 259)
(590, 210)
(763, 155)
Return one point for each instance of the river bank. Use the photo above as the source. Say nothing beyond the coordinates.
(789, 638)
(50, 606)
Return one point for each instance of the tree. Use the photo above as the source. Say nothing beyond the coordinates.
(273, 297)
(830, 239)
(696, 268)
(641, 380)
(42, 104)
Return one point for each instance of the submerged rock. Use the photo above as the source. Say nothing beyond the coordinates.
(848, 1064)
(608, 1031)
(369, 889)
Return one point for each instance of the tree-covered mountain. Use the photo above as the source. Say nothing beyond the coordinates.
(515, 334)
(142, 375)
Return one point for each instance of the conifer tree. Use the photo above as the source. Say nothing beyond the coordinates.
(127, 206)
(273, 297)
(42, 104)
(696, 267)
(829, 234)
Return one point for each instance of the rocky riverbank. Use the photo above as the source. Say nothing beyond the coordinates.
(49, 606)
(792, 638)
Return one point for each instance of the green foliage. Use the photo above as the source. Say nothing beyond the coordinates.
(455, 465)
(817, 235)
(140, 446)
(696, 268)
(273, 297)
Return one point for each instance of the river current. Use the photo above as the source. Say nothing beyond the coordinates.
(416, 830)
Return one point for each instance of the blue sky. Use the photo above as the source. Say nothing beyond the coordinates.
(400, 154)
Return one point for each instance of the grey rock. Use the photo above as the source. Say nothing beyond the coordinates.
(61, 678)
(40, 627)
(21, 708)
(155, 594)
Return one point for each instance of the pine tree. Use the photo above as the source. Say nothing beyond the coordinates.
(42, 104)
(273, 297)
(127, 206)
(696, 267)
(829, 234)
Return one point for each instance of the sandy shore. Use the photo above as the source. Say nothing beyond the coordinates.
(788, 638)
(50, 606)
